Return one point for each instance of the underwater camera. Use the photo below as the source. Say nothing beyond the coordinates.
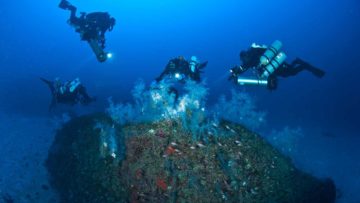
(101, 55)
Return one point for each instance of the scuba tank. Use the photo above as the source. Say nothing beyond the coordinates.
(193, 62)
(270, 53)
(246, 81)
(273, 65)
(74, 84)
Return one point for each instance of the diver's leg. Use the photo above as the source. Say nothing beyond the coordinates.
(163, 75)
(302, 65)
(158, 79)
(64, 4)
(85, 98)
(72, 13)
(287, 70)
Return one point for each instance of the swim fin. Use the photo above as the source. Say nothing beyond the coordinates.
(316, 71)
(50, 84)
(64, 4)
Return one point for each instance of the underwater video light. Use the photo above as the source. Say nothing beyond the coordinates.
(249, 81)
(109, 55)
(177, 76)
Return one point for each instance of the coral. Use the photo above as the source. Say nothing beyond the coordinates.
(286, 139)
(240, 109)
(191, 108)
(121, 113)
(159, 103)
(154, 104)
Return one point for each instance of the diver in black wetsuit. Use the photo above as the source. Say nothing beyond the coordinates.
(269, 63)
(92, 27)
(70, 92)
(181, 69)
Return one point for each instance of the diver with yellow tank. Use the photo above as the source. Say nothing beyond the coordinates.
(269, 62)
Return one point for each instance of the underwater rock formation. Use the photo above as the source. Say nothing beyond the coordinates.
(160, 162)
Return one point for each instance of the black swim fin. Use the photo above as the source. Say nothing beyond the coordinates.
(52, 89)
(64, 4)
(203, 65)
(316, 71)
(50, 84)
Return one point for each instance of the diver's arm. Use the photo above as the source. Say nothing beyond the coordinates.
(235, 72)
(168, 69)
(203, 65)
(162, 75)
(238, 70)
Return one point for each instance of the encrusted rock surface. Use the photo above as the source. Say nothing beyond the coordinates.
(159, 162)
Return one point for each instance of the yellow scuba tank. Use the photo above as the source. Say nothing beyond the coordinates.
(273, 65)
(270, 53)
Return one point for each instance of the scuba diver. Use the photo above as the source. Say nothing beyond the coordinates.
(269, 62)
(92, 28)
(70, 92)
(180, 69)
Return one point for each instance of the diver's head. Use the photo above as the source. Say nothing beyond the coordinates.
(194, 59)
(171, 65)
(181, 58)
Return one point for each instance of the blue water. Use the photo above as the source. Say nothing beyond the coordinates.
(35, 41)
